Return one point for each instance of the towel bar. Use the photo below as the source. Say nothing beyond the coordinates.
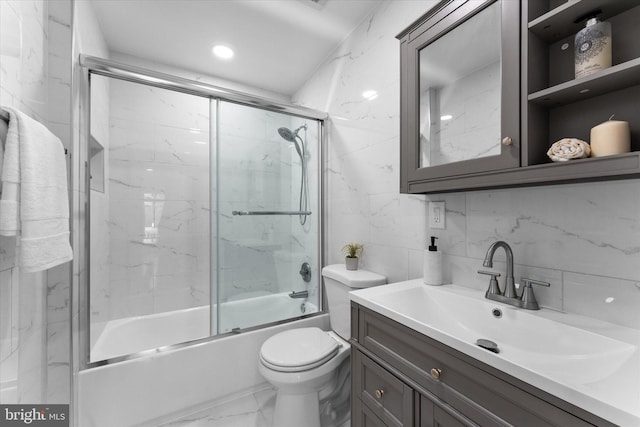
(271, 213)
(4, 116)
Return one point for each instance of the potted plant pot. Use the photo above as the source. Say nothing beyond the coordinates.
(351, 263)
(351, 252)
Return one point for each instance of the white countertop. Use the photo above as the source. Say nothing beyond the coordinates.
(613, 392)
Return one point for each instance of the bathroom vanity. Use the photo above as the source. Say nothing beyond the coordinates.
(481, 112)
(406, 371)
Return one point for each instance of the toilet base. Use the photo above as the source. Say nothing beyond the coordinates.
(296, 410)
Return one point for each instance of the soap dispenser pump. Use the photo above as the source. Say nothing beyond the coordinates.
(433, 265)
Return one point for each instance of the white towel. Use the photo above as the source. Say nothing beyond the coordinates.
(35, 201)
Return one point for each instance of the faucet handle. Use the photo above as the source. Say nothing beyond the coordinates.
(528, 298)
(528, 282)
(493, 283)
(489, 273)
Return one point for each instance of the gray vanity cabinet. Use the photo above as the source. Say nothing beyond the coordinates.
(403, 378)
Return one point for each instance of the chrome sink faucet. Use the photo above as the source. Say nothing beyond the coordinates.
(509, 296)
(510, 288)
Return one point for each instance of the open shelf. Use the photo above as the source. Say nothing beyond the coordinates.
(614, 78)
(621, 166)
(559, 23)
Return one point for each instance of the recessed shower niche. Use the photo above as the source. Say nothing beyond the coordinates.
(207, 211)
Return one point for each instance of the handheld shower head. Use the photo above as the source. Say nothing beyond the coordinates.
(289, 135)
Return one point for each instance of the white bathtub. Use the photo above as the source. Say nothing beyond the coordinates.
(134, 334)
(137, 392)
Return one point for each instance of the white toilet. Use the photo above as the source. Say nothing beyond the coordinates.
(306, 365)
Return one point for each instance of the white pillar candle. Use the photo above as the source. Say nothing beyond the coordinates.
(610, 137)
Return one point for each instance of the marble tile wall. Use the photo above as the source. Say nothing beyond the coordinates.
(582, 238)
(35, 65)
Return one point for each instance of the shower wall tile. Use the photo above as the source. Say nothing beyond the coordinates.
(7, 288)
(58, 344)
(7, 252)
(557, 233)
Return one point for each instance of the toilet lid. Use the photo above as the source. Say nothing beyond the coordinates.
(298, 350)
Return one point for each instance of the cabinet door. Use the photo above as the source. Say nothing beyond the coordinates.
(432, 415)
(460, 92)
(364, 417)
(380, 392)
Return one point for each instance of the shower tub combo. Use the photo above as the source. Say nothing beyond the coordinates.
(202, 204)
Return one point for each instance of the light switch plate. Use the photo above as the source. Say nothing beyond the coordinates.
(437, 215)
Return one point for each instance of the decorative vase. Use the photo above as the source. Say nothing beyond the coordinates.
(351, 263)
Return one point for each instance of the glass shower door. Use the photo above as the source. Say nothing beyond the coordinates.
(268, 216)
(149, 218)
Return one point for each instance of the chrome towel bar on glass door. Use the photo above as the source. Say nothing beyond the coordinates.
(271, 213)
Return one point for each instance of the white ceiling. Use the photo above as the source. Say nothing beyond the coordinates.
(278, 44)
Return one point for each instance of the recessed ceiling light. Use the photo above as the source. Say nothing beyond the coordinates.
(446, 117)
(222, 52)
(369, 95)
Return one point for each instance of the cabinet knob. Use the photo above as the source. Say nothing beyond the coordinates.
(507, 140)
(435, 373)
(379, 393)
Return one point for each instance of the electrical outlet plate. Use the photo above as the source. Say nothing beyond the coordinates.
(437, 215)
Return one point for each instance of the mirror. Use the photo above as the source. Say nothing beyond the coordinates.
(460, 91)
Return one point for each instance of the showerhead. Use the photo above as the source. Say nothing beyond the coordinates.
(291, 136)
(287, 134)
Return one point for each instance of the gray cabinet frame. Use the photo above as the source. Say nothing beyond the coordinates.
(552, 104)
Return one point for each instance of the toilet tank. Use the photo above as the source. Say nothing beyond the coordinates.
(338, 282)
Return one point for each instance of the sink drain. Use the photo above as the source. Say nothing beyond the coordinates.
(487, 345)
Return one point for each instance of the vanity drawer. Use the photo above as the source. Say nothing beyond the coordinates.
(480, 392)
(383, 394)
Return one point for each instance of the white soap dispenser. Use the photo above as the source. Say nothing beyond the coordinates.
(433, 264)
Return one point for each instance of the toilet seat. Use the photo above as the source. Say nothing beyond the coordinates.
(298, 350)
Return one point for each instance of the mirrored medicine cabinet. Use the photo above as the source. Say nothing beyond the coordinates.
(461, 93)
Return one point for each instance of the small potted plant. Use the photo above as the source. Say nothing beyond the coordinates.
(351, 253)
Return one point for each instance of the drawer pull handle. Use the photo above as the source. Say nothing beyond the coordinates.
(379, 393)
(435, 373)
(507, 140)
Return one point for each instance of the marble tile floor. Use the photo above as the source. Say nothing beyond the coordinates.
(250, 410)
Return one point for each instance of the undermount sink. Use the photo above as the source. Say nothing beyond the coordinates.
(564, 354)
